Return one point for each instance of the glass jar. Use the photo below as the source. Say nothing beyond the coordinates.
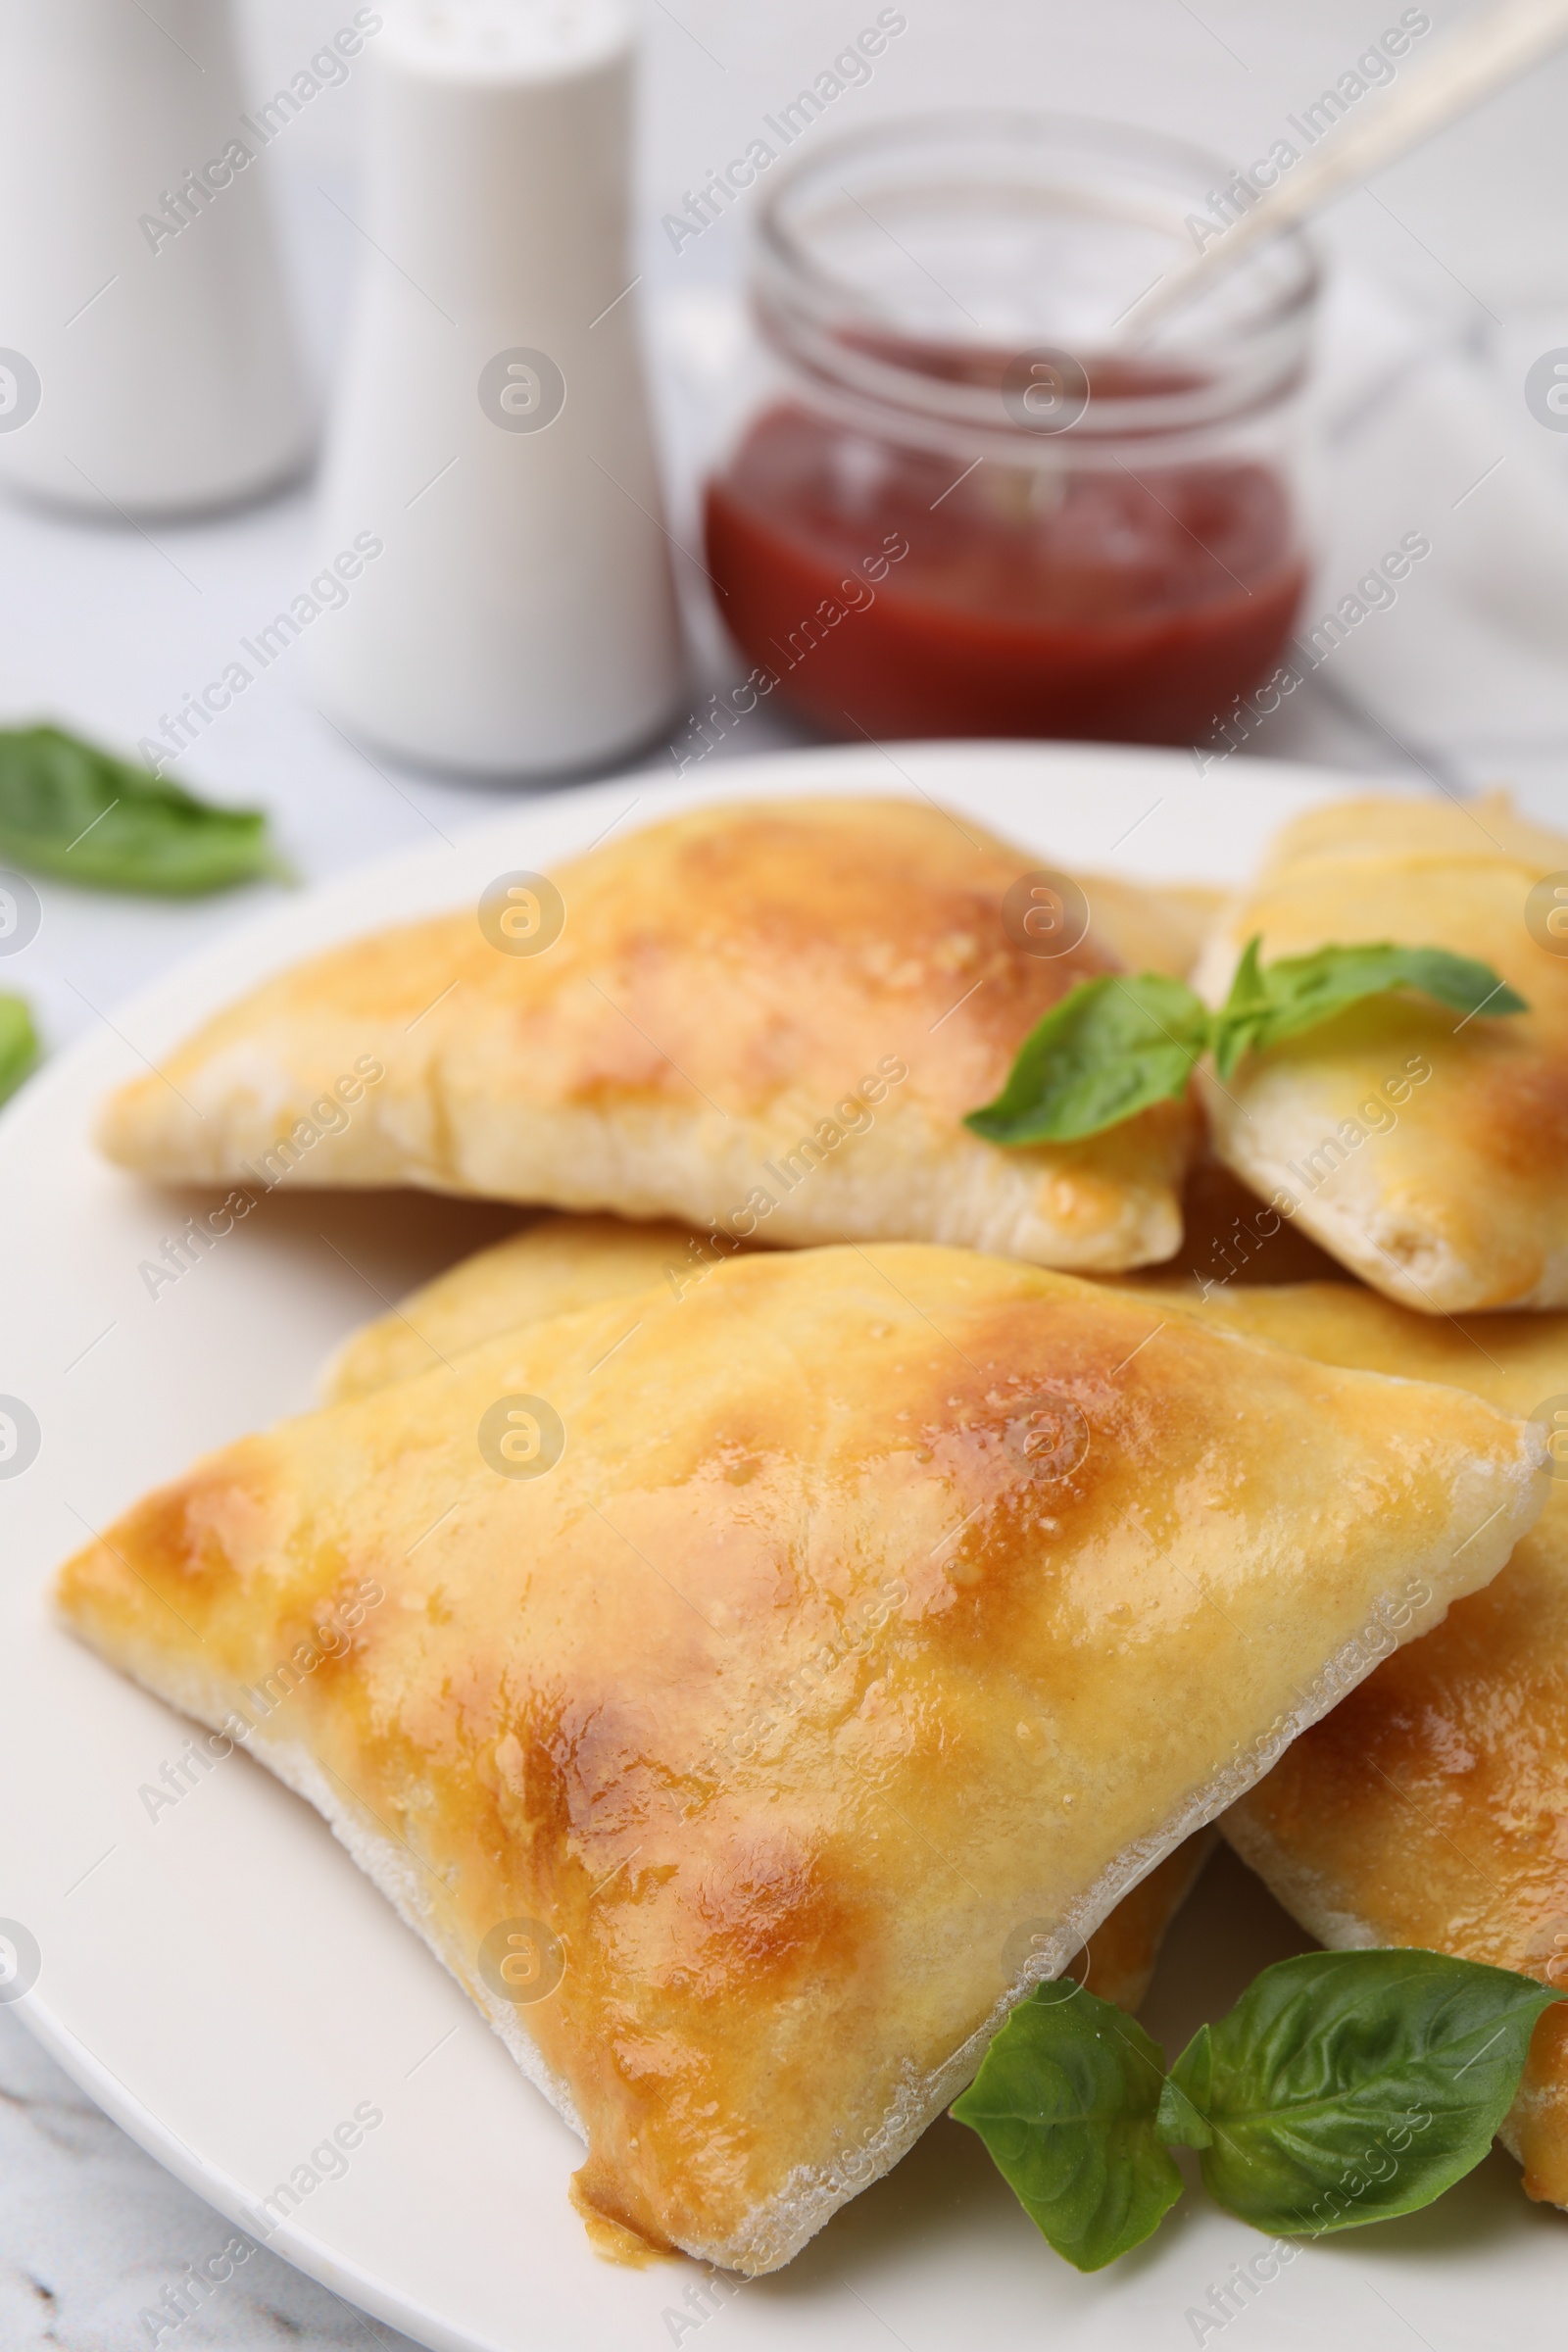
(952, 504)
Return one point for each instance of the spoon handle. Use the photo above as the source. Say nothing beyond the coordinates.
(1496, 45)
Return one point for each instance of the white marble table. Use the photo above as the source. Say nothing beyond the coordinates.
(93, 2234)
(105, 629)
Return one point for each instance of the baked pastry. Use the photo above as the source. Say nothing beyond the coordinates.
(729, 1687)
(769, 1018)
(562, 1264)
(1230, 1235)
(1426, 1151)
(1431, 1809)
(1118, 1960)
(1152, 930)
(551, 1267)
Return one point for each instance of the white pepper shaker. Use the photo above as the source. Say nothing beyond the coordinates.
(149, 362)
(491, 432)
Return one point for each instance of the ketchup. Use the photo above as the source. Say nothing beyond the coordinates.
(885, 597)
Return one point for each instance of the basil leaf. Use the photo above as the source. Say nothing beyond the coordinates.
(77, 812)
(1065, 2103)
(1108, 1049)
(1234, 1028)
(1181, 2121)
(1279, 1000)
(18, 1045)
(1346, 2088)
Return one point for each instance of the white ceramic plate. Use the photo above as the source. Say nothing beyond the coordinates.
(223, 1980)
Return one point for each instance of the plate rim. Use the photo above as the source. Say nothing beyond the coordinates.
(197, 984)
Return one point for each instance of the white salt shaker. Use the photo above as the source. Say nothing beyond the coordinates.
(491, 432)
(149, 362)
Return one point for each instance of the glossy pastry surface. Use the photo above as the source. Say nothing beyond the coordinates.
(1426, 1151)
(1431, 1809)
(725, 1684)
(770, 1017)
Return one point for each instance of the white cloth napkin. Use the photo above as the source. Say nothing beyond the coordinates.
(1421, 426)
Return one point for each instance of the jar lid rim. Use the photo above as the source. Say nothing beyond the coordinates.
(1286, 270)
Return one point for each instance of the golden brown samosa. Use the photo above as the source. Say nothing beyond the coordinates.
(769, 1018)
(1426, 1149)
(1431, 1808)
(749, 1694)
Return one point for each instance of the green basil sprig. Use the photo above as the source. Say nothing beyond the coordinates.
(1066, 2102)
(1344, 2088)
(1114, 1046)
(71, 810)
(1268, 1004)
(19, 1043)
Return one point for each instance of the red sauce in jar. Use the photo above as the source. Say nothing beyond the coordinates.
(1099, 603)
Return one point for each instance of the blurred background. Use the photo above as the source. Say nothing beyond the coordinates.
(1476, 217)
(1449, 278)
(1448, 282)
